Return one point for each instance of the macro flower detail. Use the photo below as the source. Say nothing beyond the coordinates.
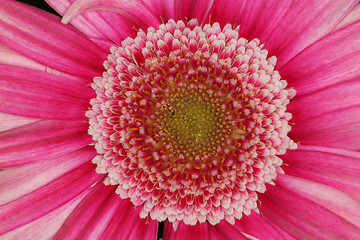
(181, 119)
(189, 120)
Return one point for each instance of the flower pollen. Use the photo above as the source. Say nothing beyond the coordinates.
(188, 122)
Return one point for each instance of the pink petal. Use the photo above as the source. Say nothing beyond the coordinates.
(330, 198)
(126, 224)
(48, 198)
(31, 93)
(125, 8)
(303, 218)
(306, 22)
(45, 227)
(9, 121)
(340, 128)
(331, 60)
(197, 232)
(226, 231)
(18, 181)
(41, 140)
(192, 9)
(165, 9)
(32, 33)
(329, 99)
(334, 167)
(352, 17)
(90, 218)
(259, 227)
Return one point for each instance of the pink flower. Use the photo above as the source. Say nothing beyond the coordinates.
(224, 119)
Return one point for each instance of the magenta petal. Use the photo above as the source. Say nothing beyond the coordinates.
(192, 9)
(37, 36)
(41, 140)
(226, 231)
(31, 93)
(46, 199)
(259, 227)
(340, 128)
(127, 224)
(304, 218)
(306, 22)
(90, 218)
(197, 232)
(18, 181)
(331, 60)
(45, 227)
(332, 98)
(334, 167)
(128, 9)
(165, 9)
(330, 198)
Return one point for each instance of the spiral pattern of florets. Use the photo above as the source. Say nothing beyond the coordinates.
(188, 122)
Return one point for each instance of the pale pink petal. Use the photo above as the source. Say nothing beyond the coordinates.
(332, 98)
(336, 201)
(47, 198)
(9, 121)
(226, 231)
(45, 227)
(198, 232)
(340, 128)
(80, 22)
(303, 218)
(127, 224)
(41, 140)
(259, 227)
(31, 93)
(128, 9)
(18, 181)
(306, 22)
(188, 9)
(37, 36)
(90, 218)
(334, 167)
(333, 59)
(352, 17)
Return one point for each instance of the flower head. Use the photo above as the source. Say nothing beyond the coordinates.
(184, 112)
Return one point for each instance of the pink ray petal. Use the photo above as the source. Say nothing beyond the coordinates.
(226, 231)
(352, 17)
(41, 95)
(331, 60)
(90, 218)
(41, 140)
(330, 198)
(303, 218)
(198, 232)
(334, 167)
(32, 33)
(127, 224)
(216, 13)
(124, 8)
(45, 227)
(48, 198)
(9, 121)
(306, 22)
(259, 227)
(164, 9)
(332, 98)
(192, 9)
(18, 181)
(330, 130)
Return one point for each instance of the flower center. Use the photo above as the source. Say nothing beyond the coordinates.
(188, 122)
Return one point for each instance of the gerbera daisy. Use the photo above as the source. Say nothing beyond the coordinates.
(210, 119)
